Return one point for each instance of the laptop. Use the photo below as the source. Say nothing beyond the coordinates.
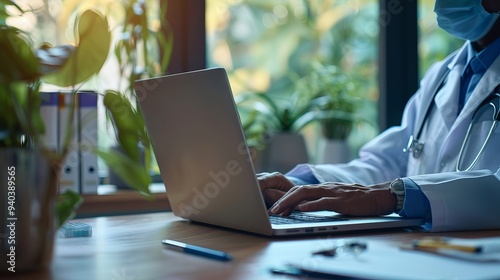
(205, 163)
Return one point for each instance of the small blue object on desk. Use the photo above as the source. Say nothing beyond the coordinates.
(197, 250)
(75, 229)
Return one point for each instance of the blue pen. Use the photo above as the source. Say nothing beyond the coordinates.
(197, 250)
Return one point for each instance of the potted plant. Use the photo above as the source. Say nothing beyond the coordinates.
(272, 124)
(338, 98)
(30, 207)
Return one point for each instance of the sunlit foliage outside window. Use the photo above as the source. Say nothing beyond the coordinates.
(268, 45)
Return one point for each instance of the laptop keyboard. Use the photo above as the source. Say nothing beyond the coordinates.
(301, 217)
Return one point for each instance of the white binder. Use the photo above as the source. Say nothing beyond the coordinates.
(88, 136)
(70, 172)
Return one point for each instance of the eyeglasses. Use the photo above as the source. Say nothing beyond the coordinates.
(489, 110)
(354, 247)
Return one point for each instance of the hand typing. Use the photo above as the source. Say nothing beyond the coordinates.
(282, 196)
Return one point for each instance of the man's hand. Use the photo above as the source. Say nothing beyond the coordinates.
(273, 186)
(348, 199)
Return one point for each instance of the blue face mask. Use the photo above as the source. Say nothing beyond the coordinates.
(465, 19)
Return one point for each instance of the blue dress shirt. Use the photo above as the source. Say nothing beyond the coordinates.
(477, 64)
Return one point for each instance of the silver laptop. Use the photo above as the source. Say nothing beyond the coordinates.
(204, 161)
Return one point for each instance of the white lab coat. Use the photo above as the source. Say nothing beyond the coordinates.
(459, 200)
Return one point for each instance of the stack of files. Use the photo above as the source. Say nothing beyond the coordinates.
(79, 172)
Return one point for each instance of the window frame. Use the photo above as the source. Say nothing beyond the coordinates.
(398, 59)
(186, 19)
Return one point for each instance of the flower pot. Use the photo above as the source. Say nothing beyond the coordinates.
(28, 189)
(333, 151)
(283, 152)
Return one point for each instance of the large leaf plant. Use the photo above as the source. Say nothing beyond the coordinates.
(24, 68)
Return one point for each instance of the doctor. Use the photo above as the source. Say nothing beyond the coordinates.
(431, 166)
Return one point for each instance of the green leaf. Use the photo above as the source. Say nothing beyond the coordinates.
(142, 130)
(127, 123)
(261, 103)
(166, 45)
(66, 205)
(323, 116)
(17, 57)
(262, 97)
(132, 172)
(90, 54)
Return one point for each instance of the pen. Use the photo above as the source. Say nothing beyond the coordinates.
(197, 250)
(441, 244)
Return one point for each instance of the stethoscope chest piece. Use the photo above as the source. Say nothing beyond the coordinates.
(414, 146)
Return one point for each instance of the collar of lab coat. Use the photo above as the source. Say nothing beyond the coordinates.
(483, 89)
(447, 104)
(447, 100)
(460, 57)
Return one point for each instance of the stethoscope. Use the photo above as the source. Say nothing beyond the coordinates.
(492, 102)
(415, 146)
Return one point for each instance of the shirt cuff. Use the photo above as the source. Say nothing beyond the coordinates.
(416, 204)
(302, 175)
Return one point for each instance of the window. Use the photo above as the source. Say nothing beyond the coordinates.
(266, 46)
(434, 43)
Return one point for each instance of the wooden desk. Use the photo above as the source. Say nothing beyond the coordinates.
(129, 247)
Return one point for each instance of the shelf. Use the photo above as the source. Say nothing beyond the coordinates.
(112, 201)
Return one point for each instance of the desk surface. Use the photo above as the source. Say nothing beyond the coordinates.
(129, 247)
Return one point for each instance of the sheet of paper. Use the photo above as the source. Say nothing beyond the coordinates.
(382, 261)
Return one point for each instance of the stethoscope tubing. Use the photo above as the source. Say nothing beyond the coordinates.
(415, 146)
(467, 135)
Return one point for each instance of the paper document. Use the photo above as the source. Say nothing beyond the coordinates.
(383, 261)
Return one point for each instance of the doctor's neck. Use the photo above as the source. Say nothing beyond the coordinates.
(489, 38)
(491, 6)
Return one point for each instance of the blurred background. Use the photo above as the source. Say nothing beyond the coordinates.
(266, 46)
